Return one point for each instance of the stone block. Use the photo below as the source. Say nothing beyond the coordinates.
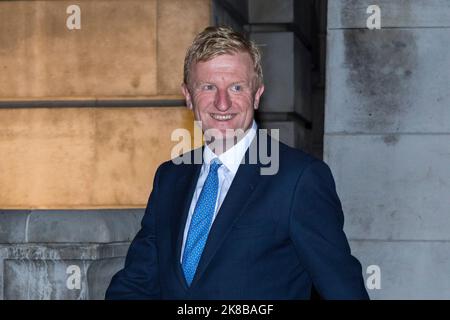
(292, 133)
(13, 226)
(302, 81)
(287, 132)
(292, 12)
(58, 250)
(392, 187)
(235, 8)
(398, 13)
(111, 55)
(84, 158)
(99, 276)
(392, 80)
(271, 11)
(409, 269)
(285, 64)
(84, 226)
(278, 67)
(230, 13)
(173, 39)
(42, 280)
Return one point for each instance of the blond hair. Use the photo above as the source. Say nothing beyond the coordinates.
(216, 41)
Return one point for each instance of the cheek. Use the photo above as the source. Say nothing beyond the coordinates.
(243, 102)
(203, 101)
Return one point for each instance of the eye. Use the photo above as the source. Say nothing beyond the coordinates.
(208, 87)
(236, 87)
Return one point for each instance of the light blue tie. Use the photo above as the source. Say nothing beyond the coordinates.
(201, 222)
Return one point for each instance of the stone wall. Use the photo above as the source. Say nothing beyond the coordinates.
(86, 116)
(63, 254)
(387, 139)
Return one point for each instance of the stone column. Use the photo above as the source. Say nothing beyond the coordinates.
(387, 139)
(287, 33)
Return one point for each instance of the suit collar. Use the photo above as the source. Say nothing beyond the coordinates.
(184, 190)
(233, 206)
(233, 156)
(244, 183)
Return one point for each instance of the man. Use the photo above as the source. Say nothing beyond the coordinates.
(222, 230)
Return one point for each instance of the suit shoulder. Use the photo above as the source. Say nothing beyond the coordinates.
(295, 157)
(295, 160)
(309, 165)
(178, 163)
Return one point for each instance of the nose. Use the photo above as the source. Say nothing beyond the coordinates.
(222, 100)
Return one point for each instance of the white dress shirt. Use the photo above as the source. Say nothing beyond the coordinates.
(230, 159)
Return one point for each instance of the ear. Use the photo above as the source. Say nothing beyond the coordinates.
(258, 95)
(187, 95)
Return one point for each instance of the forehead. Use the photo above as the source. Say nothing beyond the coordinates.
(239, 63)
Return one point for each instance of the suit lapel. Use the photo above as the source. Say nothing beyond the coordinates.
(233, 206)
(185, 190)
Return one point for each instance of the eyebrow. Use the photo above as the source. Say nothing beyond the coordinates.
(212, 82)
(244, 83)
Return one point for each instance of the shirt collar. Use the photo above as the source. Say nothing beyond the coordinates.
(232, 158)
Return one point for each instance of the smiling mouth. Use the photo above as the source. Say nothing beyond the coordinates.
(222, 117)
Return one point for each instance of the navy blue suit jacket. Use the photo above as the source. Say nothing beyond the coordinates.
(274, 237)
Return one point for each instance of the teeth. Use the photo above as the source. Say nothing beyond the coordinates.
(222, 117)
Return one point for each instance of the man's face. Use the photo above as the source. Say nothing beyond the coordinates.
(221, 92)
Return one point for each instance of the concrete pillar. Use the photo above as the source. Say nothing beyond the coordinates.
(283, 29)
(387, 140)
(285, 43)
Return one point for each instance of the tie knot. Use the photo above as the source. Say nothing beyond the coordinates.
(215, 164)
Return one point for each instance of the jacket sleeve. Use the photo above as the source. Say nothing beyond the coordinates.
(139, 279)
(316, 229)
